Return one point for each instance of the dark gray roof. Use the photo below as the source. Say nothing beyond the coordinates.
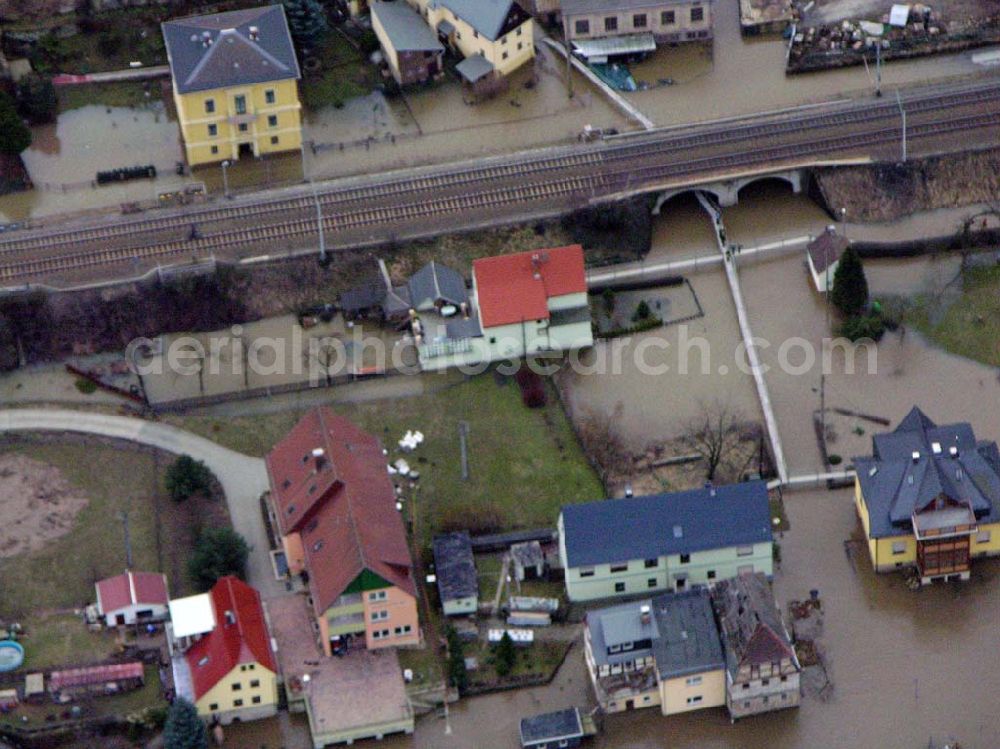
(581, 7)
(406, 30)
(366, 295)
(216, 51)
(460, 327)
(751, 627)
(647, 527)
(563, 724)
(527, 554)
(474, 67)
(455, 566)
(436, 283)
(826, 249)
(491, 18)
(689, 639)
(950, 464)
(621, 624)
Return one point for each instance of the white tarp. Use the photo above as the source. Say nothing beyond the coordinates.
(899, 15)
(872, 29)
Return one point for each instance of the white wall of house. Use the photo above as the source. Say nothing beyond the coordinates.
(632, 577)
(460, 606)
(130, 614)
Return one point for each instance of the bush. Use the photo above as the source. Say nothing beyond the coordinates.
(187, 476)
(504, 656)
(14, 134)
(626, 227)
(834, 459)
(368, 42)
(110, 43)
(85, 386)
(862, 327)
(36, 99)
(218, 552)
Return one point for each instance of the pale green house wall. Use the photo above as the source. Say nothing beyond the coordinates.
(638, 579)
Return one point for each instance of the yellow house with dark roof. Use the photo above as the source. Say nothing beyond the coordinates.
(235, 84)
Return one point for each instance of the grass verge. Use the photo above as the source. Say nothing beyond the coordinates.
(970, 326)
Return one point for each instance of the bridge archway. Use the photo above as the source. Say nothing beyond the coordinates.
(727, 192)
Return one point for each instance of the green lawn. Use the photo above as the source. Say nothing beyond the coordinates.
(971, 326)
(61, 639)
(62, 574)
(344, 74)
(524, 464)
(130, 94)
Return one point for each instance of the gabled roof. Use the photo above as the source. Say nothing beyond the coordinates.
(455, 567)
(236, 48)
(921, 466)
(515, 288)
(406, 30)
(240, 636)
(752, 630)
(131, 589)
(491, 18)
(348, 523)
(474, 67)
(617, 530)
(826, 249)
(617, 625)
(436, 283)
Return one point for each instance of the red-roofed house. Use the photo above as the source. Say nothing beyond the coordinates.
(132, 597)
(334, 506)
(525, 303)
(228, 669)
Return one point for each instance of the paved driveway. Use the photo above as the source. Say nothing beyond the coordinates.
(243, 478)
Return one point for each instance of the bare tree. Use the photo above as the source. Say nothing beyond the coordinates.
(602, 442)
(715, 434)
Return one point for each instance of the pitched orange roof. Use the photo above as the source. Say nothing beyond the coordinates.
(349, 522)
(131, 588)
(240, 636)
(515, 288)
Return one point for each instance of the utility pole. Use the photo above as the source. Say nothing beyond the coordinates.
(569, 59)
(902, 112)
(878, 67)
(225, 178)
(319, 224)
(123, 516)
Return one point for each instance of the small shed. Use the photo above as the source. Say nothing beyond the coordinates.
(8, 699)
(562, 728)
(34, 687)
(529, 560)
(412, 50)
(822, 256)
(455, 568)
(480, 77)
(132, 597)
(107, 678)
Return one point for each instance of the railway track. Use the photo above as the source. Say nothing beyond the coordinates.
(606, 182)
(337, 198)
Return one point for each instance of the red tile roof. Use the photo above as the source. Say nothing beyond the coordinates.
(241, 637)
(515, 288)
(132, 589)
(349, 523)
(91, 675)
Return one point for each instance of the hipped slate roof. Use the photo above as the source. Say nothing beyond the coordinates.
(491, 18)
(218, 51)
(752, 630)
(949, 463)
(240, 636)
(455, 566)
(618, 625)
(661, 524)
(405, 28)
(330, 484)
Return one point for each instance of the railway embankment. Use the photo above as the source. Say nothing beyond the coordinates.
(888, 191)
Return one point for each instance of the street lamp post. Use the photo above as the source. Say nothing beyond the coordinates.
(225, 179)
(902, 113)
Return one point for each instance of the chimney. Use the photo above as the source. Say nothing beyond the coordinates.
(644, 614)
(230, 617)
(953, 451)
(254, 33)
(628, 491)
(916, 456)
(317, 452)
(206, 39)
(711, 488)
(936, 448)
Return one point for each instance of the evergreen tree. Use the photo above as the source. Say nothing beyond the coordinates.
(505, 655)
(14, 134)
(184, 729)
(306, 22)
(850, 287)
(36, 99)
(457, 673)
(218, 552)
(187, 476)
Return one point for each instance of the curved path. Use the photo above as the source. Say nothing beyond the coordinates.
(243, 478)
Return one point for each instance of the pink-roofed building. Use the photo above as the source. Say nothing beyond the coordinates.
(132, 597)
